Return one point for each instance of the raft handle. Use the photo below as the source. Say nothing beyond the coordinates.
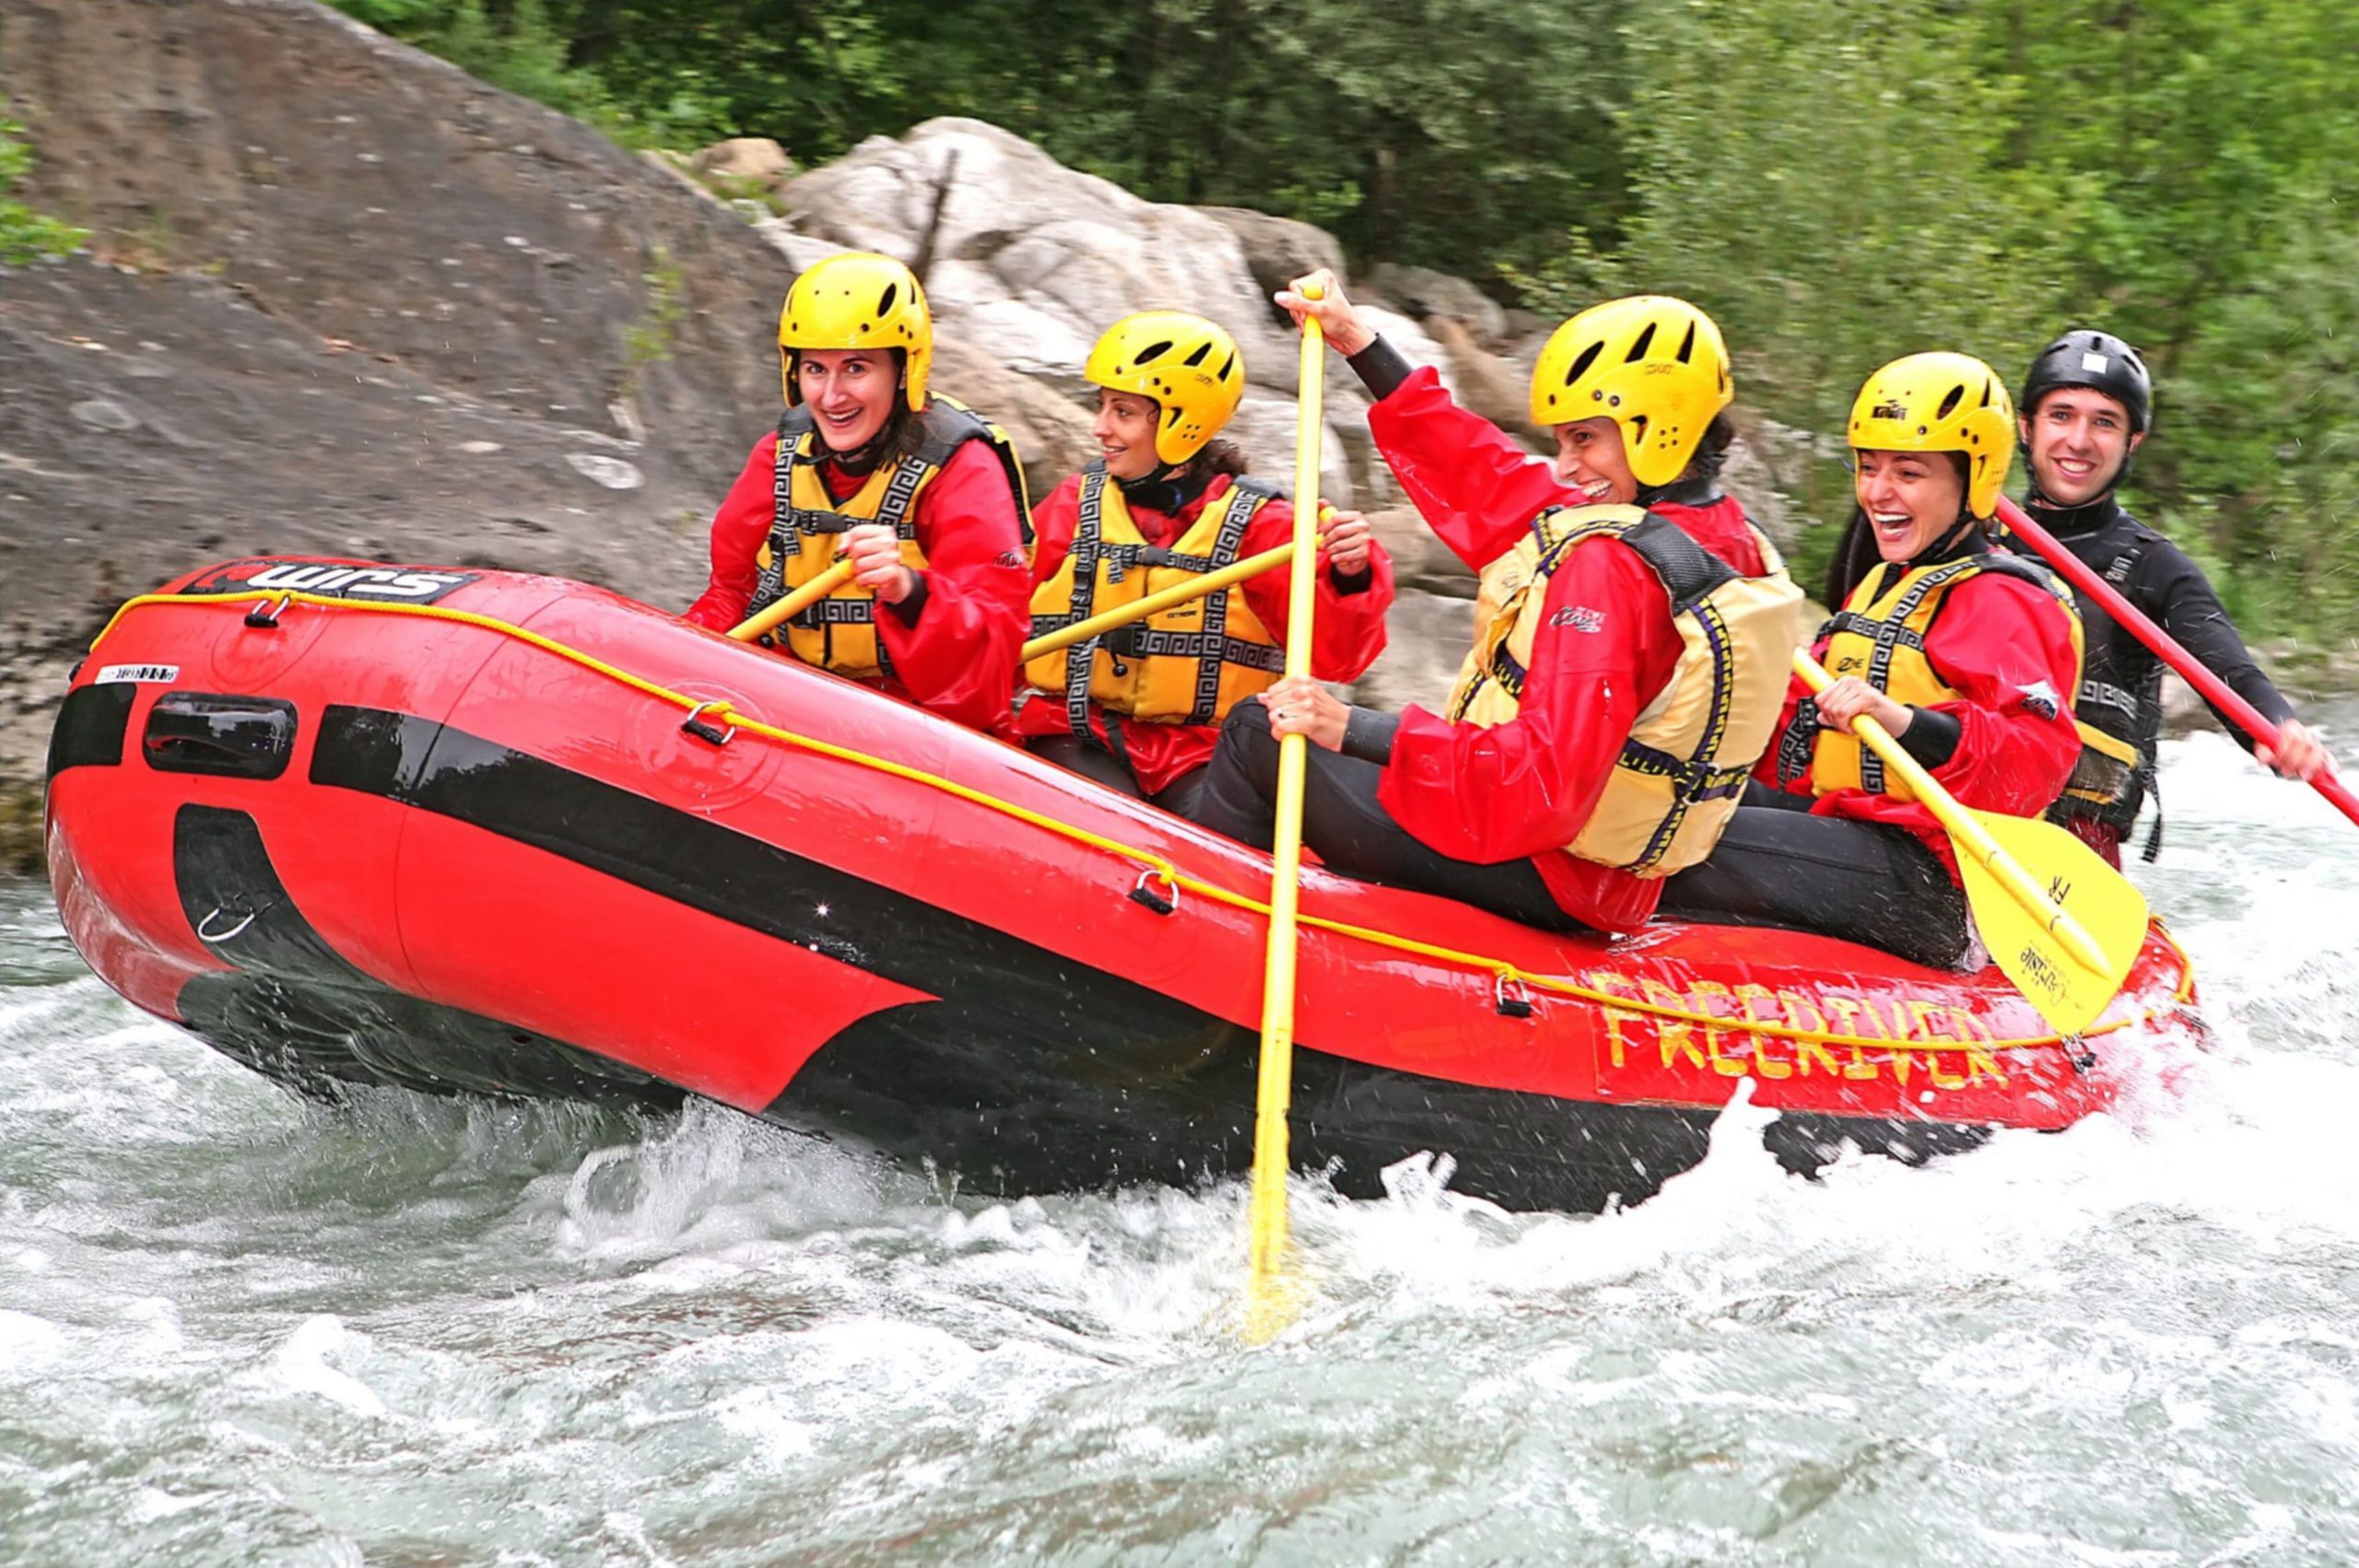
(205, 932)
(1509, 995)
(713, 734)
(264, 617)
(1163, 902)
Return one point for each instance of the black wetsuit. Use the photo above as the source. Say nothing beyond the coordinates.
(2121, 681)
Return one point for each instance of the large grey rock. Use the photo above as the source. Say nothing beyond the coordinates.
(1278, 250)
(1032, 258)
(1426, 636)
(1425, 294)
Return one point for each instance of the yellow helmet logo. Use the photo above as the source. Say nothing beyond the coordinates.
(1654, 365)
(1186, 365)
(1942, 403)
(858, 300)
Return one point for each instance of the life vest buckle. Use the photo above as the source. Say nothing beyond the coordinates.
(264, 617)
(1510, 996)
(713, 735)
(1159, 889)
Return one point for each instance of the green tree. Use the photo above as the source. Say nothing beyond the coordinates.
(1834, 195)
(26, 235)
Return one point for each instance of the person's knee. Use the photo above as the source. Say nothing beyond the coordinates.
(1245, 734)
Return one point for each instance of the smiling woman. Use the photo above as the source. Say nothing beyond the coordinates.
(868, 466)
(1966, 654)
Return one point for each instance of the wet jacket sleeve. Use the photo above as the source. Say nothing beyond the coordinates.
(2174, 590)
(1476, 490)
(1348, 630)
(1604, 649)
(956, 652)
(738, 529)
(2007, 647)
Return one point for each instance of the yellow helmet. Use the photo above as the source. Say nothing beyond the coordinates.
(1654, 365)
(1189, 366)
(1942, 403)
(858, 300)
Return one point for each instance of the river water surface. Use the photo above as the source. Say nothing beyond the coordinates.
(236, 1328)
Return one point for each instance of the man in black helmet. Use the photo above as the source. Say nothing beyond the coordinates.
(2086, 407)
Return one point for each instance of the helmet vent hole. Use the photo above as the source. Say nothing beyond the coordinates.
(1198, 357)
(1153, 352)
(1580, 364)
(1227, 368)
(1949, 403)
(1687, 344)
(1639, 349)
(1987, 388)
(884, 300)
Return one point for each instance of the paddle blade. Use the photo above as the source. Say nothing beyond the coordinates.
(2109, 908)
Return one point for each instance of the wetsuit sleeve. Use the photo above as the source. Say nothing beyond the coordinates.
(1475, 488)
(1053, 522)
(1606, 646)
(738, 529)
(1348, 630)
(2174, 590)
(2007, 647)
(958, 656)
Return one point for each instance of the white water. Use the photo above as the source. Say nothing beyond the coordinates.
(235, 1328)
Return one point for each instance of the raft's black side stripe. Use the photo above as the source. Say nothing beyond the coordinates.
(91, 723)
(1030, 1072)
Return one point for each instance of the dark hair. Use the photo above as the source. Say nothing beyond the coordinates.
(1856, 554)
(1215, 458)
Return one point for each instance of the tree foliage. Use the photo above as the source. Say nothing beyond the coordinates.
(1837, 187)
(26, 235)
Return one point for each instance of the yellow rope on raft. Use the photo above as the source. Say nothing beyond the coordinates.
(1503, 971)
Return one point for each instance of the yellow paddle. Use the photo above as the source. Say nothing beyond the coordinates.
(2058, 921)
(811, 592)
(1270, 1298)
(1155, 604)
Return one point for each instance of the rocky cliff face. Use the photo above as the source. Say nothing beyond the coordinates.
(341, 298)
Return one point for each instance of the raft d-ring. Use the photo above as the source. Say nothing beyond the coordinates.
(2077, 1052)
(1157, 889)
(716, 735)
(206, 932)
(1510, 996)
(264, 617)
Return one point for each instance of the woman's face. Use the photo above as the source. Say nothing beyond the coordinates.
(1125, 433)
(849, 391)
(1589, 459)
(1911, 498)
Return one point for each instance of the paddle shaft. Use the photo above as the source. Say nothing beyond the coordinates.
(1155, 604)
(1275, 1089)
(2213, 690)
(810, 593)
(1970, 835)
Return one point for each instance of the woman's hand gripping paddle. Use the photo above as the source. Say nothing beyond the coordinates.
(2060, 922)
(1271, 1297)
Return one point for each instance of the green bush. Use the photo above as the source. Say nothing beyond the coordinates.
(26, 235)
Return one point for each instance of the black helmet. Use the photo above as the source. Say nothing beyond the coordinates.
(2099, 361)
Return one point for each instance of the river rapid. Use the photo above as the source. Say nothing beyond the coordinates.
(238, 1329)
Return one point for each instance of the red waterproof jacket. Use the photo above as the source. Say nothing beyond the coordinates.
(1348, 629)
(2007, 646)
(954, 642)
(1526, 787)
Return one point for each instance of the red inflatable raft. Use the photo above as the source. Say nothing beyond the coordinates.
(489, 833)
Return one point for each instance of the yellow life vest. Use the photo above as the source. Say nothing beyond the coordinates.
(839, 633)
(1687, 757)
(1189, 665)
(1879, 635)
